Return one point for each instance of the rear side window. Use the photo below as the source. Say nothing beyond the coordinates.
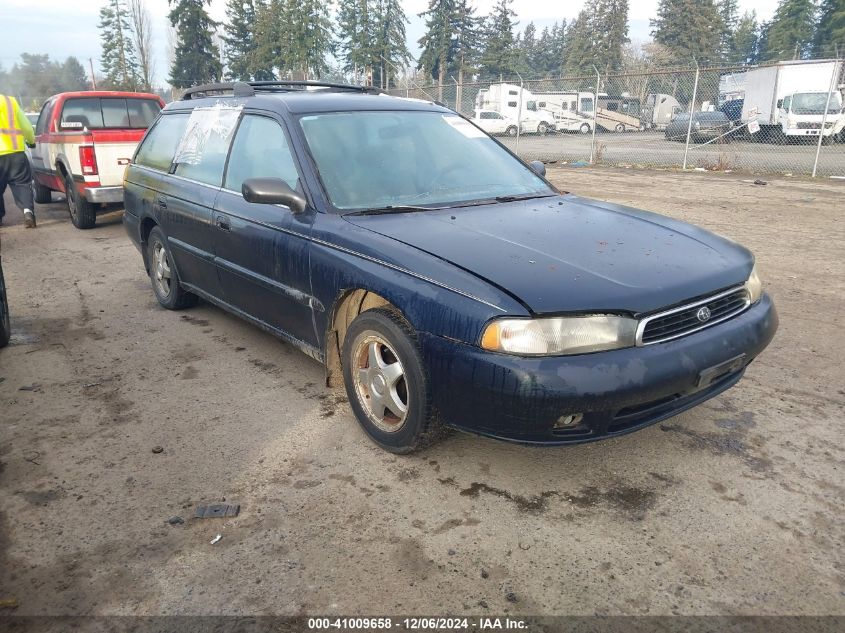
(260, 150)
(159, 146)
(109, 112)
(44, 117)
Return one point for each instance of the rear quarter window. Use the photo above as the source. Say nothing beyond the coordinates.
(159, 146)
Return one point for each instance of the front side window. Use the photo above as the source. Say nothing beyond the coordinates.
(371, 160)
(159, 146)
(44, 118)
(260, 150)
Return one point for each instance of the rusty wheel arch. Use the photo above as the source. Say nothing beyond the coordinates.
(348, 305)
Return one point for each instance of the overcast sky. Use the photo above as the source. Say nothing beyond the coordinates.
(61, 27)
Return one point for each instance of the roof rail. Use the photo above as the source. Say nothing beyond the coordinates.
(247, 89)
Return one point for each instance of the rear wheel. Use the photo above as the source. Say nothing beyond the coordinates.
(585, 128)
(81, 211)
(43, 195)
(5, 321)
(386, 382)
(163, 275)
(619, 128)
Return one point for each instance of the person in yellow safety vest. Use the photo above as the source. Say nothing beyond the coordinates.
(15, 134)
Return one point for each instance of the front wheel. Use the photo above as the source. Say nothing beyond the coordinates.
(82, 212)
(511, 131)
(543, 128)
(386, 382)
(163, 274)
(5, 321)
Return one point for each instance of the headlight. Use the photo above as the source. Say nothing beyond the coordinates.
(790, 122)
(559, 335)
(754, 286)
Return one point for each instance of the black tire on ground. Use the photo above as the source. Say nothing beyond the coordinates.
(511, 131)
(542, 128)
(176, 297)
(43, 195)
(5, 321)
(82, 212)
(619, 128)
(585, 128)
(419, 427)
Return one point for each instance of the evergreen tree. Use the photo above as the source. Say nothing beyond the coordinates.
(239, 41)
(390, 41)
(579, 53)
(72, 75)
(499, 57)
(356, 31)
(690, 29)
(527, 45)
(293, 38)
(745, 39)
(436, 42)
(611, 16)
(118, 60)
(729, 14)
(790, 33)
(830, 32)
(196, 58)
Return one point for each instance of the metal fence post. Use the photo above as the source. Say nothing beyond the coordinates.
(595, 114)
(691, 112)
(519, 115)
(833, 77)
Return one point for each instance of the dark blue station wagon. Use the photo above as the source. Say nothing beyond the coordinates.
(443, 281)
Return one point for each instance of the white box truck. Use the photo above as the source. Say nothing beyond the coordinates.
(789, 98)
(516, 103)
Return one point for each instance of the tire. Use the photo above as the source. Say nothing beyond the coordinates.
(585, 128)
(163, 275)
(5, 321)
(43, 195)
(81, 211)
(395, 343)
(511, 131)
(543, 128)
(619, 128)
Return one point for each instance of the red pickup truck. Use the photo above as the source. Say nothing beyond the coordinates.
(83, 142)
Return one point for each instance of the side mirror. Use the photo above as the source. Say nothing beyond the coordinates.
(780, 103)
(538, 168)
(273, 191)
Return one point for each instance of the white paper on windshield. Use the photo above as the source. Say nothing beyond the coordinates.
(464, 127)
(216, 121)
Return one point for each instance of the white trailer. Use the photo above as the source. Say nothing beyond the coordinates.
(660, 109)
(516, 103)
(573, 111)
(789, 98)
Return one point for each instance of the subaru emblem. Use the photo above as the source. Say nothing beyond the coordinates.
(703, 314)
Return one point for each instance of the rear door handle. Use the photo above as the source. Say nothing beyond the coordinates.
(162, 203)
(222, 223)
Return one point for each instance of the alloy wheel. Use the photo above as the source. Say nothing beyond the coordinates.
(380, 385)
(161, 269)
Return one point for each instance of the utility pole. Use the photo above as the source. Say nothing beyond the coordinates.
(93, 78)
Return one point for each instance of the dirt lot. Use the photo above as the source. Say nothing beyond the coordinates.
(735, 507)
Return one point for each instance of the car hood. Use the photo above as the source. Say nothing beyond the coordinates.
(572, 254)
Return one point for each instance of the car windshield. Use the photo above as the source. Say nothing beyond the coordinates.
(376, 160)
(813, 103)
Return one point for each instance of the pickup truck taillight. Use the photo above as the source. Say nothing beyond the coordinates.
(88, 160)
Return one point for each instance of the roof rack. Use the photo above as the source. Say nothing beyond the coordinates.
(248, 89)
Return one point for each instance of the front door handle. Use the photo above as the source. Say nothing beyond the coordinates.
(222, 223)
(162, 203)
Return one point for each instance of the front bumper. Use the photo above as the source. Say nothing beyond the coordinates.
(521, 399)
(103, 195)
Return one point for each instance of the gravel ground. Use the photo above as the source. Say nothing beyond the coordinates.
(735, 507)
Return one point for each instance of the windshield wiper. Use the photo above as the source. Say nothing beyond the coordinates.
(529, 196)
(396, 208)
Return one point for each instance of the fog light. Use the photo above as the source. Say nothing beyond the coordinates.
(568, 421)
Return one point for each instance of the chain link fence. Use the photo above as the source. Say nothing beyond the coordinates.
(784, 118)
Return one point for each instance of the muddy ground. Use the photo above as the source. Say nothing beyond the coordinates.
(735, 507)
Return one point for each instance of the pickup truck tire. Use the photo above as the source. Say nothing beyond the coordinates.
(5, 321)
(81, 211)
(542, 128)
(511, 131)
(163, 275)
(43, 195)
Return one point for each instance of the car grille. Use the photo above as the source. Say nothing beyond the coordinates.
(684, 320)
(814, 126)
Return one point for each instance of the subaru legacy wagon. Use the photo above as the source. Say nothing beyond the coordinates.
(441, 280)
